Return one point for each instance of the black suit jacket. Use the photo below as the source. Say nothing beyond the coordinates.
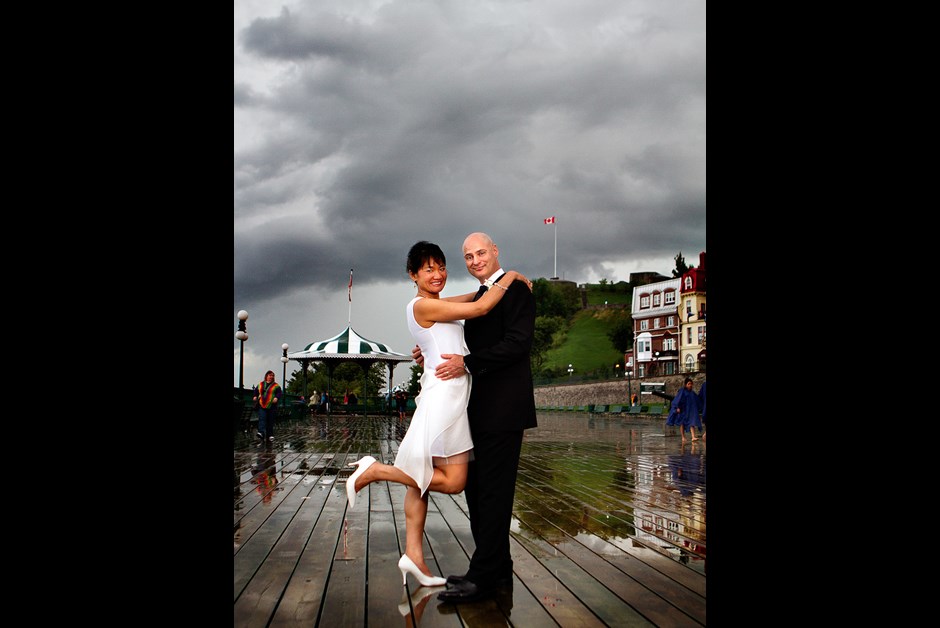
(501, 397)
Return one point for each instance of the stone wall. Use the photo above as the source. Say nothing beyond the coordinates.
(610, 392)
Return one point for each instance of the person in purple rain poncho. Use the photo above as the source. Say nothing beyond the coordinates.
(684, 412)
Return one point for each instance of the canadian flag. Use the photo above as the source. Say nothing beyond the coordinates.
(350, 284)
(550, 221)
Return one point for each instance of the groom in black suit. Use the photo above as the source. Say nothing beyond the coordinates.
(501, 407)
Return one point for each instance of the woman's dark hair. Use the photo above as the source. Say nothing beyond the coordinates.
(422, 252)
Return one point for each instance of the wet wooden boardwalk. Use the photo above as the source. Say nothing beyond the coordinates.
(608, 530)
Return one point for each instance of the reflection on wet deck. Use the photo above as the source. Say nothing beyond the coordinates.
(608, 529)
(636, 487)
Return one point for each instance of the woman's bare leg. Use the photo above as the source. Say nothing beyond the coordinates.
(416, 514)
(449, 478)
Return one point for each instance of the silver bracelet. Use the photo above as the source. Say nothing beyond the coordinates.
(498, 286)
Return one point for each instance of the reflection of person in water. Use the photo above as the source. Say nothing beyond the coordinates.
(701, 407)
(688, 472)
(265, 476)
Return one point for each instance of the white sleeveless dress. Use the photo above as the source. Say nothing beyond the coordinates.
(439, 426)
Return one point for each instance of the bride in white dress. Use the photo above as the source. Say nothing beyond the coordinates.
(436, 450)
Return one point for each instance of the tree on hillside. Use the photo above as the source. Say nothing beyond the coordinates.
(621, 334)
(545, 329)
(555, 299)
(681, 267)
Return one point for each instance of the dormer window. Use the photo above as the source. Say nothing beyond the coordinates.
(688, 282)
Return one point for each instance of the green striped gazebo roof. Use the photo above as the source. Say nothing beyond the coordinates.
(350, 345)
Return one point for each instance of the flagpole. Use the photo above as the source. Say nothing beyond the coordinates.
(556, 247)
(349, 322)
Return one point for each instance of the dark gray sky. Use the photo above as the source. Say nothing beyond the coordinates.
(362, 127)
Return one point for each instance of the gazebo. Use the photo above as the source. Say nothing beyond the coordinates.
(348, 346)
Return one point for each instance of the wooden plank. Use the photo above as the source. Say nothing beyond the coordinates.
(301, 600)
(385, 590)
(257, 602)
(262, 528)
(527, 600)
(254, 508)
(638, 593)
(550, 602)
(345, 600)
(426, 611)
(575, 561)
(486, 612)
(610, 609)
(249, 493)
(539, 484)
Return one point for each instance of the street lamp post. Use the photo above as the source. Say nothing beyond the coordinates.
(629, 389)
(284, 359)
(570, 371)
(242, 335)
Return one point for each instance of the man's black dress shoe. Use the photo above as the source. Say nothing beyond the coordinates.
(463, 591)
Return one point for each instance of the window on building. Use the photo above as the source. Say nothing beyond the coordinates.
(688, 282)
(688, 335)
(669, 297)
(670, 321)
(644, 302)
(641, 370)
(656, 323)
(656, 299)
(644, 324)
(669, 344)
(689, 363)
(701, 334)
(670, 368)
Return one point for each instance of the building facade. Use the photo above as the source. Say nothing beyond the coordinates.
(669, 328)
(692, 324)
(656, 328)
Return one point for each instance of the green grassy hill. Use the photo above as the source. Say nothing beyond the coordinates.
(586, 345)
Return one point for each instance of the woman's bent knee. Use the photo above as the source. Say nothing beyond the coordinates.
(452, 488)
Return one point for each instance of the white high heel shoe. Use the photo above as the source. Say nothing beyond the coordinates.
(408, 566)
(362, 464)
